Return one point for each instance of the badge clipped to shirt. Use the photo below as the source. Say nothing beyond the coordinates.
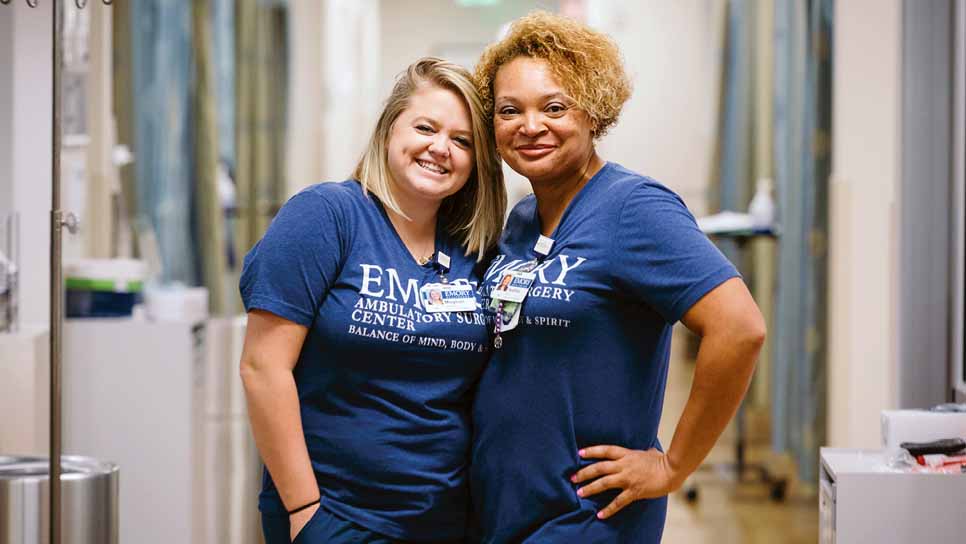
(506, 298)
(446, 296)
(513, 286)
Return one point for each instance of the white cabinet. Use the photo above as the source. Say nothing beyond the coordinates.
(862, 500)
(133, 395)
(165, 402)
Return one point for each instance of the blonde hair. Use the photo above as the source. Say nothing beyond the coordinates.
(474, 215)
(586, 63)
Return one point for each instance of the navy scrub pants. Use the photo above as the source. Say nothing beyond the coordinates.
(323, 528)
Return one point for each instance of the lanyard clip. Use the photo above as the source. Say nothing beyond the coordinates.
(543, 245)
(443, 262)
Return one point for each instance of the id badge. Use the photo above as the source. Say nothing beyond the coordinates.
(513, 286)
(447, 297)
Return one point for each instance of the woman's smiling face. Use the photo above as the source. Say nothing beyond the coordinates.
(431, 146)
(540, 131)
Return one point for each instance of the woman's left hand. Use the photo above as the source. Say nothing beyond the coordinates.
(639, 474)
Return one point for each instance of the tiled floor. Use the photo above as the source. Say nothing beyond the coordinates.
(726, 513)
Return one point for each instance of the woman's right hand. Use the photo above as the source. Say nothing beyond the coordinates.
(298, 520)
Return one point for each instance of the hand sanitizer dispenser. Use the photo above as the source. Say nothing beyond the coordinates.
(762, 207)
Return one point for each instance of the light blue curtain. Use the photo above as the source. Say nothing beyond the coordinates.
(223, 37)
(802, 140)
(737, 108)
(802, 42)
(223, 34)
(734, 164)
(161, 70)
(161, 44)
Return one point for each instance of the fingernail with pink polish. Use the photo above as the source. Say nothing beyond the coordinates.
(581, 453)
(600, 515)
(580, 492)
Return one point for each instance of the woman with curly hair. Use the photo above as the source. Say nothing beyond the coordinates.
(566, 415)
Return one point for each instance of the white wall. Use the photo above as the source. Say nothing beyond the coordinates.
(443, 28)
(668, 128)
(305, 137)
(334, 82)
(25, 83)
(6, 110)
(863, 268)
(410, 30)
(334, 70)
(351, 56)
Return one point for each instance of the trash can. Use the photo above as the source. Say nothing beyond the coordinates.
(89, 509)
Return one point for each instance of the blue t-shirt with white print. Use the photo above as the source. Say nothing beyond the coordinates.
(587, 364)
(384, 387)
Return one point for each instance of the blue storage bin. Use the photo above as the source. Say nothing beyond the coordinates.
(103, 287)
(89, 303)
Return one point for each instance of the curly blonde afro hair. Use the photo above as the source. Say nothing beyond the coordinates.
(585, 62)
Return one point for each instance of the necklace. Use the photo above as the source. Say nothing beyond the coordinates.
(426, 251)
(422, 253)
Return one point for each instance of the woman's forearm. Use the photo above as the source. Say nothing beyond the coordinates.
(725, 363)
(273, 409)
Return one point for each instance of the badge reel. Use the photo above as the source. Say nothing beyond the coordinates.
(444, 296)
(506, 298)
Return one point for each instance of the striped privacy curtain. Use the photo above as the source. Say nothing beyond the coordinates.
(797, 157)
(802, 136)
(201, 93)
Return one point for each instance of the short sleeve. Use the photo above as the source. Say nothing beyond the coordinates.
(663, 257)
(290, 270)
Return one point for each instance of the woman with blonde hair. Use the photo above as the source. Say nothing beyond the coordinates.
(358, 393)
(565, 419)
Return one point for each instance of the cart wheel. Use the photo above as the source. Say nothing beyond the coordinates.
(691, 495)
(778, 490)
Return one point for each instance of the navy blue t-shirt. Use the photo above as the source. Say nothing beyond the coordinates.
(587, 364)
(384, 387)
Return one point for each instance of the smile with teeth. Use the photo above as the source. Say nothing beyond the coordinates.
(432, 167)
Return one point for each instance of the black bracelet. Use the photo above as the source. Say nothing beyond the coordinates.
(304, 506)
